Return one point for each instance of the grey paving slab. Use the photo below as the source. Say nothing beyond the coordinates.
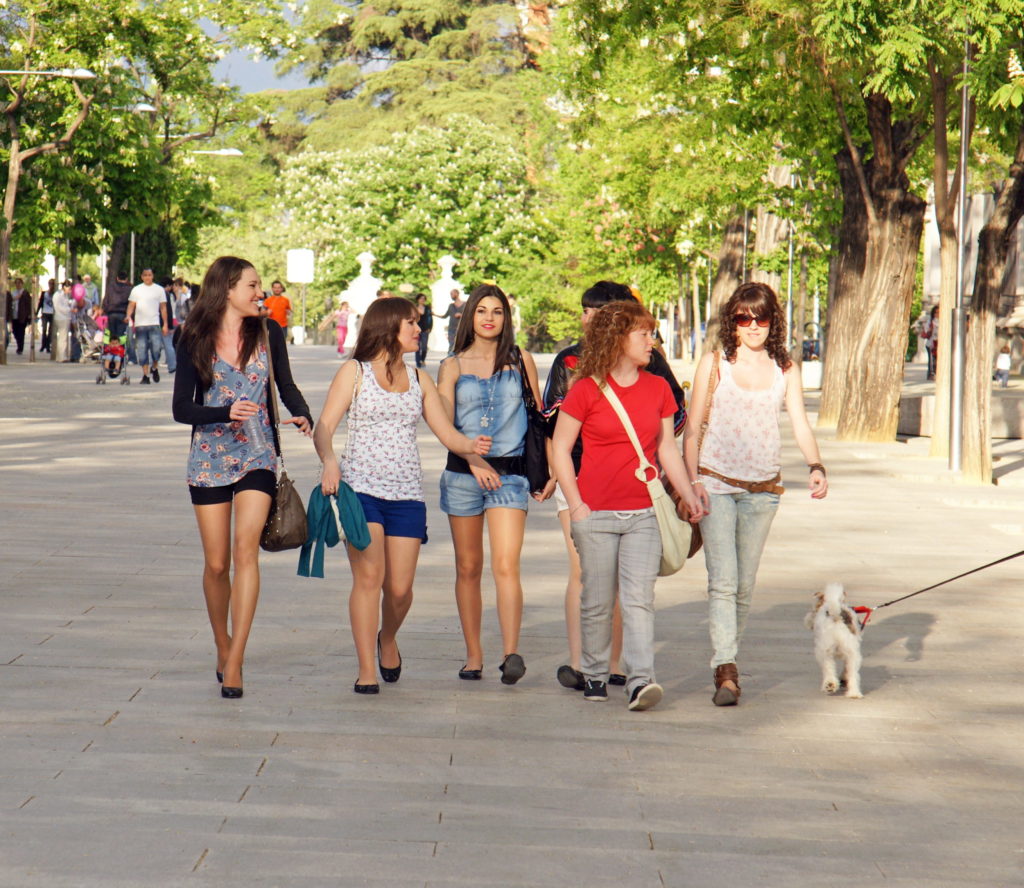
(120, 765)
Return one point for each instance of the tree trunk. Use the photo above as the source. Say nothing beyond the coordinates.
(994, 245)
(696, 314)
(728, 278)
(117, 252)
(868, 316)
(10, 195)
(770, 232)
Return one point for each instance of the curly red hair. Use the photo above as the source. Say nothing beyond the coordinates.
(605, 337)
(759, 301)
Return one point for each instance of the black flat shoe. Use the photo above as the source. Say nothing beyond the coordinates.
(366, 689)
(388, 674)
(467, 674)
(230, 693)
(512, 669)
(570, 678)
(616, 678)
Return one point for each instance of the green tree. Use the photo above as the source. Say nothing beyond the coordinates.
(460, 189)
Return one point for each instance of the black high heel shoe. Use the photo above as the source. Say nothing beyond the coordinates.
(229, 692)
(389, 675)
(220, 677)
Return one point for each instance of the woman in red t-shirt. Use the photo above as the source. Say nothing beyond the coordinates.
(612, 519)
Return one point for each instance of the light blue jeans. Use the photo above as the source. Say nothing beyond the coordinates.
(623, 551)
(734, 535)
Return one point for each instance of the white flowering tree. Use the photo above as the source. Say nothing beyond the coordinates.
(460, 189)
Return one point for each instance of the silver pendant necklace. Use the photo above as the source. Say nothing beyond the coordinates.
(488, 413)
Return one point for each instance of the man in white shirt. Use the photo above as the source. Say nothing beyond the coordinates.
(147, 309)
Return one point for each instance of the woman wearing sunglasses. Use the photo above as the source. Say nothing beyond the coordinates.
(734, 458)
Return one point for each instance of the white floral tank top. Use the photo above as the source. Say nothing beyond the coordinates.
(381, 457)
(742, 440)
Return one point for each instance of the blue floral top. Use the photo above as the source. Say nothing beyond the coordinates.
(222, 452)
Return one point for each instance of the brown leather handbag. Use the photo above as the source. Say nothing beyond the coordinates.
(286, 524)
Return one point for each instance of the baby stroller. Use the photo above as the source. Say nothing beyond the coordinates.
(89, 336)
(114, 357)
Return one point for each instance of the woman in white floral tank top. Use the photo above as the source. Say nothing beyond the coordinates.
(384, 400)
(736, 471)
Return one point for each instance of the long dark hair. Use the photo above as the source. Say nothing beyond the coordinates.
(759, 301)
(505, 353)
(378, 331)
(200, 329)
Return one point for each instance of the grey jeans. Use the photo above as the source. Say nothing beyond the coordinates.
(734, 535)
(618, 550)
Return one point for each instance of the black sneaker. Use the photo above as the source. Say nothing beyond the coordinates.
(595, 691)
(145, 380)
(156, 374)
(616, 678)
(570, 678)
(645, 696)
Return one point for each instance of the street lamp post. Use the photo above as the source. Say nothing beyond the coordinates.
(20, 156)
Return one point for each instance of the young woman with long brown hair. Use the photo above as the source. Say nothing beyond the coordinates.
(384, 401)
(220, 389)
(612, 519)
(736, 473)
(481, 386)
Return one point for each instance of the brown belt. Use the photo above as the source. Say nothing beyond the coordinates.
(772, 485)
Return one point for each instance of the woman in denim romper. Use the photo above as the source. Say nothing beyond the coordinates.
(736, 473)
(482, 390)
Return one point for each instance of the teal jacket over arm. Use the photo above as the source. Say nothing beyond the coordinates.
(322, 517)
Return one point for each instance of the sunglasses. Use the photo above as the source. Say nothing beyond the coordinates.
(747, 320)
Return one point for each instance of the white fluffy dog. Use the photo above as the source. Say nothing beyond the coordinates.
(836, 636)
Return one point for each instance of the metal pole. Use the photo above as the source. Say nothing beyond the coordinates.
(789, 292)
(959, 319)
(131, 265)
(746, 224)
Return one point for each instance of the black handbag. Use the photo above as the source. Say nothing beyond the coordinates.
(535, 454)
(286, 524)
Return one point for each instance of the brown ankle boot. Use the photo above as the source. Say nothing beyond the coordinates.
(727, 685)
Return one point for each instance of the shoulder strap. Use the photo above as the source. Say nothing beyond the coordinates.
(273, 387)
(627, 423)
(524, 380)
(712, 385)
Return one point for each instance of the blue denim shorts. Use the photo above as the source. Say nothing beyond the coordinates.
(462, 497)
(399, 518)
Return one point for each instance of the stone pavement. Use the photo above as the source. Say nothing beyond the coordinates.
(120, 764)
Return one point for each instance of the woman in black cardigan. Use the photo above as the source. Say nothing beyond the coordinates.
(221, 390)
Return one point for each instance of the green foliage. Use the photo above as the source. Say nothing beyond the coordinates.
(460, 189)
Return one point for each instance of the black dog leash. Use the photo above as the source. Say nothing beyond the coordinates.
(868, 611)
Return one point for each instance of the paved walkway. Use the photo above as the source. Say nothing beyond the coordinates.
(120, 765)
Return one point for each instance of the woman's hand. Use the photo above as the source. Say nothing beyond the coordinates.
(818, 484)
(545, 492)
(302, 424)
(579, 513)
(242, 410)
(695, 507)
(330, 478)
(488, 479)
(481, 445)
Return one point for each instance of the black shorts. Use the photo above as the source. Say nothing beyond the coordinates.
(258, 479)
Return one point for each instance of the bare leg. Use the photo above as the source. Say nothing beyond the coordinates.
(251, 510)
(505, 529)
(215, 532)
(368, 569)
(401, 554)
(468, 539)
